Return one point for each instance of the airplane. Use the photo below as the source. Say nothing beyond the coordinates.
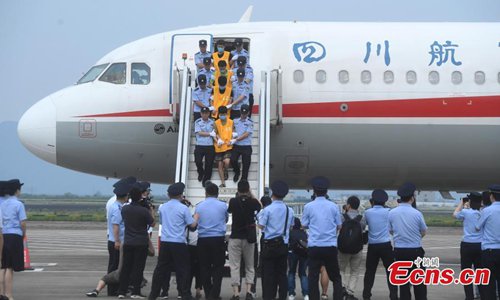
(369, 105)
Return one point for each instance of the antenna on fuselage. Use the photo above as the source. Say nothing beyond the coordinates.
(247, 15)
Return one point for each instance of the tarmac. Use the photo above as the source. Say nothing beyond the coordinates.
(70, 257)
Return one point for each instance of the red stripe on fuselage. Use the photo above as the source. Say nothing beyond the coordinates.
(456, 107)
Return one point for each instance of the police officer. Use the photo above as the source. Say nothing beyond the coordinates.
(201, 97)
(323, 219)
(408, 227)
(242, 144)
(13, 217)
(221, 55)
(212, 221)
(239, 51)
(203, 53)
(468, 212)
(276, 221)
(241, 63)
(379, 243)
(2, 191)
(174, 254)
(207, 71)
(489, 223)
(205, 134)
(241, 90)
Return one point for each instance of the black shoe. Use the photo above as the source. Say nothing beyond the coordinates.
(236, 176)
(235, 298)
(92, 294)
(200, 177)
(222, 185)
(249, 296)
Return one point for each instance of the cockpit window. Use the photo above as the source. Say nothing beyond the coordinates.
(116, 73)
(141, 73)
(92, 73)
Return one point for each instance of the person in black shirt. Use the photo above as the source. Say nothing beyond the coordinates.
(243, 238)
(137, 218)
(297, 257)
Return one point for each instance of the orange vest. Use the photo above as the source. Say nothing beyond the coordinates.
(221, 100)
(225, 133)
(216, 59)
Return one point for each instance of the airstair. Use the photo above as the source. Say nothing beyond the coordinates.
(258, 176)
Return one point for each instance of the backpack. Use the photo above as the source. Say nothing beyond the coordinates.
(350, 240)
(299, 247)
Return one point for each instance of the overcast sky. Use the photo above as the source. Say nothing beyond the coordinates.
(47, 45)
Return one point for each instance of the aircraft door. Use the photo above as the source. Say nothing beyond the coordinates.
(182, 51)
(276, 97)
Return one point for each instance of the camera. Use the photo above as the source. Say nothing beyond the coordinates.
(148, 202)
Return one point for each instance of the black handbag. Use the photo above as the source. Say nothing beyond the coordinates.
(276, 247)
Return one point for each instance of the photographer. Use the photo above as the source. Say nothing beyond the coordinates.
(137, 218)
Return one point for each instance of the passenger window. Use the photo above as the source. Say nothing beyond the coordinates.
(479, 77)
(388, 77)
(343, 76)
(433, 77)
(116, 74)
(498, 77)
(456, 77)
(141, 73)
(321, 76)
(92, 74)
(366, 77)
(411, 77)
(298, 76)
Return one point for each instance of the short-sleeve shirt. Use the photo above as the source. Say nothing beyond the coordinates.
(377, 219)
(322, 217)
(13, 213)
(208, 73)
(202, 95)
(273, 217)
(470, 218)
(406, 223)
(248, 76)
(243, 52)
(198, 57)
(243, 210)
(241, 127)
(201, 125)
(240, 89)
(490, 224)
(213, 218)
(115, 217)
(174, 217)
(136, 219)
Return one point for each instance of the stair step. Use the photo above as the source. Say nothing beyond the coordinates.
(255, 142)
(254, 157)
(193, 175)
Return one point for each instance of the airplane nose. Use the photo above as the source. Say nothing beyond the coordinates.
(37, 130)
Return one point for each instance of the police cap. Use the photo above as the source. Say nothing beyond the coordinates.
(494, 188)
(240, 73)
(238, 42)
(222, 110)
(205, 109)
(475, 196)
(130, 180)
(279, 188)
(14, 184)
(176, 189)
(245, 108)
(379, 196)
(202, 79)
(207, 60)
(407, 190)
(2, 188)
(241, 60)
(203, 43)
(320, 183)
(122, 188)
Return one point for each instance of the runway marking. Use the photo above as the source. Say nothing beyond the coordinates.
(34, 270)
(43, 264)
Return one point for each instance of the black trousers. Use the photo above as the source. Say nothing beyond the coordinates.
(212, 255)
(134, 261)
(114, 260)
(491, 260)
(235, 114)
(207, 152)
(274, 271)
(246, 159)
(470, 254)
(250, 103)
(376, 252)
(165, 287)
(195, 268)
(328, 257)
(410, 254)
(172, 256)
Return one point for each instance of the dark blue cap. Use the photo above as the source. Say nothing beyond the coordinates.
(123, 188)
(240, 73)
(176, 189)
(205, 109)
(202, 42)
(407, 190)
(320, 183)
(129, 180)
(238, 42)
(245, 108)
(207, 60)
(494, 188)
(202, 79)
(14, 184)
(379, 196)
(279, 188)
(241, 60)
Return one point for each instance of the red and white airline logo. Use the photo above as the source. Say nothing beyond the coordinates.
(426, 271)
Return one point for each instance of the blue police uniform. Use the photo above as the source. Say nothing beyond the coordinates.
(198, 57)
(273, 219)
(115, 217)
(406, 223)
(241, 53)
(490, 244)
(213, 218)
(242, 147)
(174, 217)
(208, 73)
(202, 95)
(201, 125)
(240, 89)
(204, 149)
(13, 213)
(248, 77)
(323, 218)
(377, 219)
(470, 218)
